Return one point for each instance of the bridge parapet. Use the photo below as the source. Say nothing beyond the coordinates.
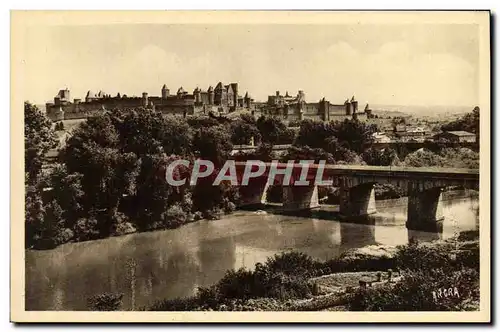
(423, 185)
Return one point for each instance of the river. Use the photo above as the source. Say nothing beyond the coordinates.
(167, 264)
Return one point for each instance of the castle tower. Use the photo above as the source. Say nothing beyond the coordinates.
(211, 95)
(301, 96)
(324, 111)
(235, 93)
(348, 110)
(354, 104)
(165, 92)
(145, 99)
(89, 97)
(197, 95)
(247, 100)
(180, 92)
(368, 111)
(219, 94)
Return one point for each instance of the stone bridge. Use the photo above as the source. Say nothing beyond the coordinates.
(357, 195)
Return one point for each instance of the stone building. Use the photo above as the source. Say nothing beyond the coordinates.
(456, 137)
(222, 99)
(296, 108)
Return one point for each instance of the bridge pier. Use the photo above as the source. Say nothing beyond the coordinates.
(254, 194)
(357, 202)
(300, 197)
(425, 210)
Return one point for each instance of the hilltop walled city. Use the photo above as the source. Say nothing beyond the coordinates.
(223, 99)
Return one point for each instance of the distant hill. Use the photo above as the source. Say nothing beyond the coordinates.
(41, 107)
(440, 112)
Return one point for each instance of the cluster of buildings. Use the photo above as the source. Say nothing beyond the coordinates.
(224, 98)
(418, 134)
(221, 99)
(296, 108)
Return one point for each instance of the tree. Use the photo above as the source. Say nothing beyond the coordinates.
(314, 134)
(212, 200)
(213, 143)
(264, 152)
(39, 138)
(107, 173)
(272, 129)
(307, 153)
(154, 194)
(34, 216)
(197, 122)
(67, 192)
(469, 122)
(243, 130)
(145, 131)
(424, 158)
(341, 153)
(354, 134)
(383, 157)
(59, 126)
(460, 158)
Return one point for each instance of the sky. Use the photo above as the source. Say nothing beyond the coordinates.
(381, 64)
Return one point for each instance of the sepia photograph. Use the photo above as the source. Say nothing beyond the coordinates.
(218, 166)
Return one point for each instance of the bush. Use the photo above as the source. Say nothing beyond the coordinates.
(124, 228)
(238, 284)
(291, 263)
(353, 263)
(263, 282)
(260, 304)
(86, 229)
(213, 214)
(468, 235)
(420, 291)
(105, 302)
(121, 225)
(425, 269)
(186, 304)
(175, 216)
(421, 257)
(384, 157)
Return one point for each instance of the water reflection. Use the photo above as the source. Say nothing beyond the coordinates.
(357, 235)
(168, 264)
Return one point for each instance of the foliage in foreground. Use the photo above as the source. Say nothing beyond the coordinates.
(105, 302)
(422, 291)
(434, 279)
(284, 278)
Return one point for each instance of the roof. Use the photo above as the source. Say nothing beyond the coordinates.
(164, 87)
(460, 133)
(62, 93)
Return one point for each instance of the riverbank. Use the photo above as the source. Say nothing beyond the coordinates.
(176, 217)
(439, 275)
(150, 266)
